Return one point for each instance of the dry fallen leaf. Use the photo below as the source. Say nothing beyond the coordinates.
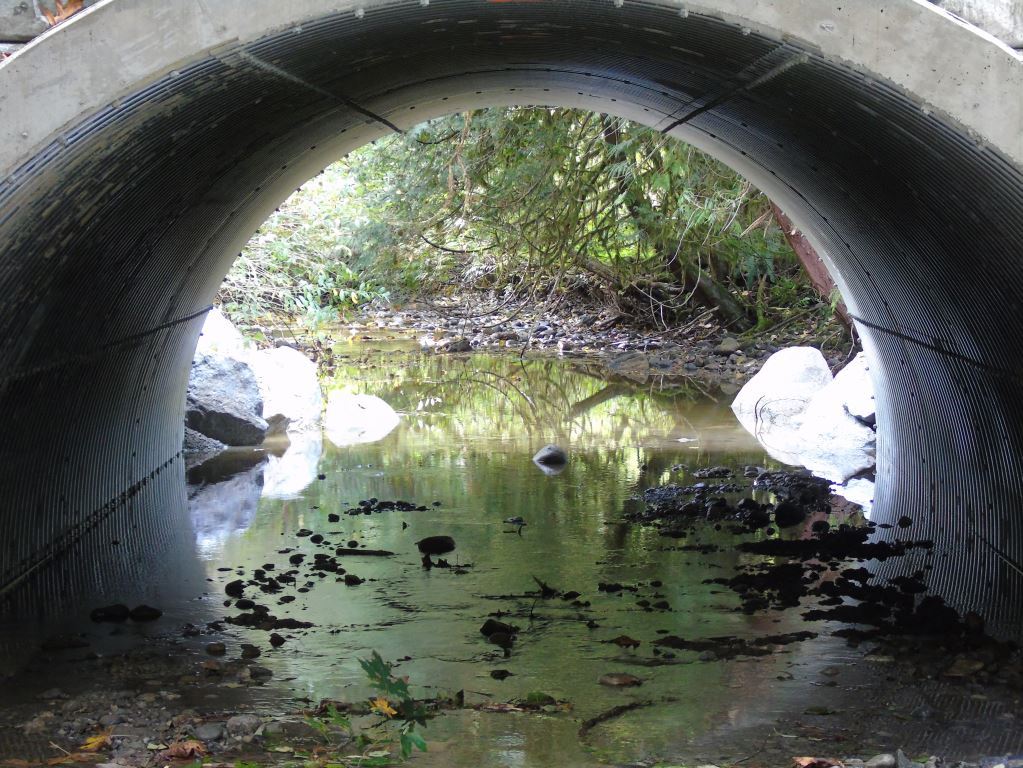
(97, 742)
(816, 762)
(63, 11)
(184, 750)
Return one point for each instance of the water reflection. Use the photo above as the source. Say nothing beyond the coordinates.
(223, 496)
(460, 449)
(290, 473)
(468, 429)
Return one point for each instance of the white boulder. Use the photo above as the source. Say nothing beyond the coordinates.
(289, 386)
(857, 388)
(771, 404)
(220, 337)
(803, 416)
(287, 382)
(353, 419)
(835, 443)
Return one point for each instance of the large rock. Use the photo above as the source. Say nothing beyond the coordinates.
(220, 337)
(198, 447)
(224, 401)
(354, 419)
(857, 389)
(802, 416)
(630, 365)
(771, 404)
(836, 443)
(289, 386)
(551, 455)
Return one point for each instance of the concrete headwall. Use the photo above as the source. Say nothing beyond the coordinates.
(1001, 18)
(21, 20)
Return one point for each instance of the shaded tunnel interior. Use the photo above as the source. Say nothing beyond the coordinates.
(117, 234)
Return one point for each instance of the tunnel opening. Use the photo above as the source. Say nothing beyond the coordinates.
(537, 205)
(159, 188)
(126, 197)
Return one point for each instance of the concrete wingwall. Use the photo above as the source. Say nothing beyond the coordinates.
(164, 133)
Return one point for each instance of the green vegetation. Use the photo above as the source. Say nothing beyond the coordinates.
(396, 690)
(539, 204)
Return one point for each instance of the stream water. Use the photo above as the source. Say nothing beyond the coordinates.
(462, 452)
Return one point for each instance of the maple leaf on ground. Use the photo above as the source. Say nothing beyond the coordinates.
(383, 706)
(64, 11)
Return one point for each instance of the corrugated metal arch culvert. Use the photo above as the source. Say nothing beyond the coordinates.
(143, 142)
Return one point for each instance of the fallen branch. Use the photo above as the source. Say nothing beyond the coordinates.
(611, 714)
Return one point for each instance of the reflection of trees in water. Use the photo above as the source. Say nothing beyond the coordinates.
(509, 397)
(488, 413)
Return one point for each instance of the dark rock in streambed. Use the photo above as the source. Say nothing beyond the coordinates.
(363, 552)
(730, 647)
(434, 545)
(799, 486)
(625, 642)
(753, 514)
(502, 640)
(551, 456)
(763, 585)
(709, 472)
(117, 612)
(145, 613)
(500, 674)
(207, 732)
(490, 626)
(633, 365)
(788, 514)
(216, 649)
(843, 542)
(234, 588)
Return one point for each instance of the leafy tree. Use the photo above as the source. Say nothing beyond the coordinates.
(535, 202)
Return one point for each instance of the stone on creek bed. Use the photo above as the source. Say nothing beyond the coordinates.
(620, 680)
(551, 456)
(224, 401)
